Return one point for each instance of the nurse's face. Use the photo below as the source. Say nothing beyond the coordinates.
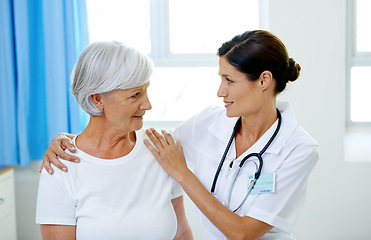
(124, 109)
(241, 96)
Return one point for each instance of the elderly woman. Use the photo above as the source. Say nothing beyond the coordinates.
(118, 191)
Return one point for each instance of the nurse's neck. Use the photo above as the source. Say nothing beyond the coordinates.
(253, 127)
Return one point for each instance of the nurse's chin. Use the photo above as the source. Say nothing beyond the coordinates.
(231, 115)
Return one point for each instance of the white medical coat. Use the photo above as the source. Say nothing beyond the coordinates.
(291, 156)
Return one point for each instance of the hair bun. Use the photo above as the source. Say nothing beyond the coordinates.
(293, 72)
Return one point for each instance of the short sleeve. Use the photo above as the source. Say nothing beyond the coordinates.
(188, 133)
(54, 202)
(281, 208)
(177, 190)
(185, 134)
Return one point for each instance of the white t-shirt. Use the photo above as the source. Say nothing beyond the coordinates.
(125, 198)
(291, 156)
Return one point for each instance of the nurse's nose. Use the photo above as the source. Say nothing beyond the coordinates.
(222, 91)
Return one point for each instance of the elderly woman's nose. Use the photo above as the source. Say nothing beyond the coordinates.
(146, 105)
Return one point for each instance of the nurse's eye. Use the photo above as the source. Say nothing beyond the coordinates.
(228, 80)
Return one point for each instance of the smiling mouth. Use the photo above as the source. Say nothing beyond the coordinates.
(227, 104)
(139, 116)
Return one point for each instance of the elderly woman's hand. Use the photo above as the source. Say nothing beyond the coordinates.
(56, 148)
(168, 153)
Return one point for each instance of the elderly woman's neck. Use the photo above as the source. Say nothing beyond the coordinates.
(104, 141)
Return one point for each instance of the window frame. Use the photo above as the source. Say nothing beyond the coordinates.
(160, 38)
(353, 59)
(160, 41)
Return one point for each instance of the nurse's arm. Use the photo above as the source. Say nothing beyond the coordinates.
(184, 231)
(229, 223)
(58, 232)
(171, 158)
(56, 149)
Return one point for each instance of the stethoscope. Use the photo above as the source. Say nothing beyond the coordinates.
(258, 155)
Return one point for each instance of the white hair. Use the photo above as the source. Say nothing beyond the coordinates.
(105, 66)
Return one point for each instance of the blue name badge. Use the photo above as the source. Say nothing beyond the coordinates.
(265, 184)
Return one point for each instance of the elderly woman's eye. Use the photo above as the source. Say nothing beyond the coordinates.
(135, 95)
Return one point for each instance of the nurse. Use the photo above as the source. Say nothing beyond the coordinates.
(254, 68)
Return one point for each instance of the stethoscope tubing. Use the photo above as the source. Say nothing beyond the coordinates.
(258, 155)
(224, 155)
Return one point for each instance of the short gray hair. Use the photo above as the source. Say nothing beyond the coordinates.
(105, 66)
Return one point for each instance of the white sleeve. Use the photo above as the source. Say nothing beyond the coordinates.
(281, 208)
(177, 190)
(188, 132)
(185, 134)
(54, 202)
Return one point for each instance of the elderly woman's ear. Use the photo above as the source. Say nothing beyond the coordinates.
(97, 100)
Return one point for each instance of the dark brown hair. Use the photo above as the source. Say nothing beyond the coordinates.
(254, 52)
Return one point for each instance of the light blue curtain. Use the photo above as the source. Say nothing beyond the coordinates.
(40, 41)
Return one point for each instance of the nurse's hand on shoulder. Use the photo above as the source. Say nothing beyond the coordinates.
(169, 153)
(56, 148)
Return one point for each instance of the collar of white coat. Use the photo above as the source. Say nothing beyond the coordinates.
(222, 130)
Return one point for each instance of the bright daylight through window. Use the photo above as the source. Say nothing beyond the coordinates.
(182, 37)
(360, 63)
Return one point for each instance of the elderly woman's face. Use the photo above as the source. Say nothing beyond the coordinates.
(124, 109)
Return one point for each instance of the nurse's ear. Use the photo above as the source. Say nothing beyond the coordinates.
(265, 80)
(97, 100)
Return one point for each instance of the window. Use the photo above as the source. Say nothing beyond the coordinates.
(182, 38)
(358, 131)
(359, 63)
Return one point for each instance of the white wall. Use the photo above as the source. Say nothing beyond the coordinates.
(339, 194)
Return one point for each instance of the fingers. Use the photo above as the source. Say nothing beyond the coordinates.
(51, 156)
(46, 165)
(168, 137)
(41, 168)
(66, 156)
(56, 149)
(157, 139)
(164, 139)
(152, 149)
(161, 142)
(180, 147)
(67, 143)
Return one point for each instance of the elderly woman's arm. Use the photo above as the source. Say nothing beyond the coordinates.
(56, 148)
(184, 231)
(58, 232)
